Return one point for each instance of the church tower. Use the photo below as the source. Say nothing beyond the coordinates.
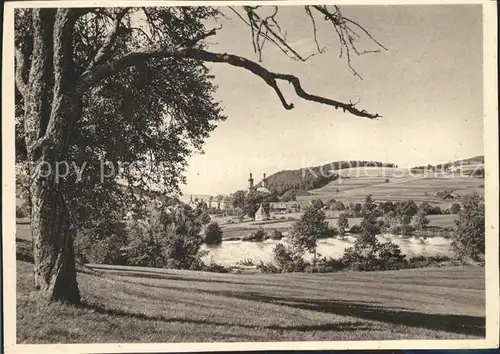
(264, 181)
(250, 183)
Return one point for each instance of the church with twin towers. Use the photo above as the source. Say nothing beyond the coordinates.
(262, 189)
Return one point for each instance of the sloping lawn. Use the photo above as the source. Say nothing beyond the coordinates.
(131, 304)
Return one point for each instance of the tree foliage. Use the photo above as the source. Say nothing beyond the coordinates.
(468, 239)
(421, 220)
(213, 234)
(343, 223)
(288, 258)
(311, 226)
(368, 253)
(169, 238)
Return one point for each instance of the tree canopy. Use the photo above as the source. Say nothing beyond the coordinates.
(129, 87)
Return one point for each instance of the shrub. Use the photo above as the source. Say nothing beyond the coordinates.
(106, 251)
(330, 232)
(317, 203)
(343, 223)
(395, 230)
(267, 267)
(328, 265)
(368, 253)
(288, 259)
(240, 213)
(421, 220)
(255, 235)
(215, 268)
(455, 208)
(355, 229)
(383, 256)
(425, 261)
(390, 256)
(213, 234)
(468, 237)
(168, 239)
(276, 235)
(357, 260)
(21, 212)
(101, 244)
(407, 230)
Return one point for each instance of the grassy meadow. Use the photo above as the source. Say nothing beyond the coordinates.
(356, 183)
(131, 304)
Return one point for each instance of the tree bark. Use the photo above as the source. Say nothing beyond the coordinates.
(55, 272)
(51, 108)
(314, 261)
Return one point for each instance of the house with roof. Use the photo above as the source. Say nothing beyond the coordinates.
(285, 207)
(261, 214)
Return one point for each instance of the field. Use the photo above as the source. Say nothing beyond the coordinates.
(356, 183)
(129, 304)
(236, 230)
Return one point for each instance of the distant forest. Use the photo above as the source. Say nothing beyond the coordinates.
(308, 178)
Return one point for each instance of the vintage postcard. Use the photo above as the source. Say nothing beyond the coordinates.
(249, 175)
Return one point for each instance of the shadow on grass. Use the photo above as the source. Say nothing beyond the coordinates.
(460, 324)
(166, 276)
(337, 327)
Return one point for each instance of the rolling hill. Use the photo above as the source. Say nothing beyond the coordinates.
(393, 185)
(307, 178)
(351, 181)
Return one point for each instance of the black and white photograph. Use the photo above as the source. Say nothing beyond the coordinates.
(249, 175)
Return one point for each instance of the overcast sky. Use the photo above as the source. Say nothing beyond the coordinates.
(427, 87)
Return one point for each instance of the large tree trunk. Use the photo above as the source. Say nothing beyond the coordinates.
(51, 107)
(55, 273)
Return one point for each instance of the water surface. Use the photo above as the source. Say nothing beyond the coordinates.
(230, 252)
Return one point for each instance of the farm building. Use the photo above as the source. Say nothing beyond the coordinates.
(292, 206)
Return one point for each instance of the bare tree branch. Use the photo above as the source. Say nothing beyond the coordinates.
(191, 42)
(239, 15)
(366, 32)
(315, 34)
(108, 69)
(108, 43)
